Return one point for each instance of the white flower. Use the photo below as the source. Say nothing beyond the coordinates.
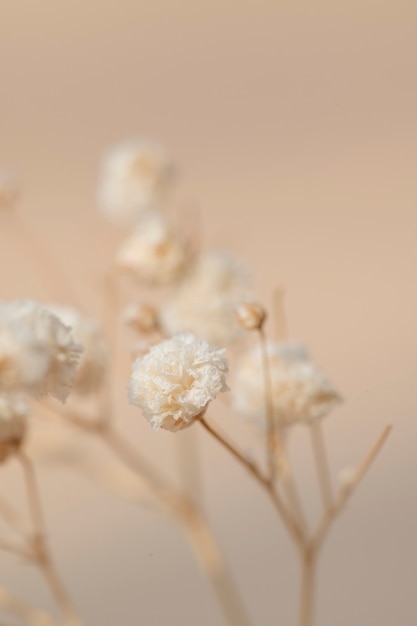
(134, 176)
(93, 364)
(174, 382)
(13, 416)
(37, 352)
(8, 190)
(300, 392)
(206, 299)
(154, 254)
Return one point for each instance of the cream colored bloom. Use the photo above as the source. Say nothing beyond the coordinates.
(37, 351)
(300, 392)
(143, 318)
(8, 190)
(134, 176)
(93, 364)
(174, 382)
(205, 300)
(154, 254)
(13, 417)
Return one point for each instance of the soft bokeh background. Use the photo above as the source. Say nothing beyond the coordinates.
(295, 124)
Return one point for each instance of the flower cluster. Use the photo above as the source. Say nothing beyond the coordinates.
(206, 299)
(300, 392)
(134, 176)
(154, 253)
(175, 381)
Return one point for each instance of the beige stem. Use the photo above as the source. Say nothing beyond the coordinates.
(289, 522)
(329, 517)
(194, 524)
(306, 608)
(322, 464)
(40, 551)
(273, 443)
(187, 451)
(19, 609)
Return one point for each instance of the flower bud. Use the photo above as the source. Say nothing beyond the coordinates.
(141, 317)
(250, 316)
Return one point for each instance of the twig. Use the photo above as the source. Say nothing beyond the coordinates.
(290, 524)
(308, 565)
(178, 505)
(321, 533)
(40, 552)
(196, 528)
(322, 464)
(22, 611)
(272, 441)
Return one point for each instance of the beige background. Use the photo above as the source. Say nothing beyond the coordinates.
(295, 124)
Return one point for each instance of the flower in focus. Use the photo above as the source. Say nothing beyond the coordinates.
(13, 416)
(205, 301)
(134, 176)
(154, 254)
(8, 190)
(93, 364)
(37, 351)
(174, 382)
(300, 392)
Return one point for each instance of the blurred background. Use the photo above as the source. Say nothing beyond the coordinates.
(294, 124)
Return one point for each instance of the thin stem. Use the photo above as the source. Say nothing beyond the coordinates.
(286, 517)
(197, 530)
(306, 607)
(23, 611)
(322, 464)
(12, 517)
(290, 488)
(40, 552)
(272, 442)
(187, 451)
(7, 545)
(345, 494)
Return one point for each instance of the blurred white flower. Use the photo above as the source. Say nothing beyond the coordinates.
(154, 254)
(143, 318)
(93, 364)
(174, 382)
(206, 299)
(8, 190)
(37, 351)
(13, 417)
(300, 392)
(134, 176)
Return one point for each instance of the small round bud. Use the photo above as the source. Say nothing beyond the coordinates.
(250, 316)
(141, 317)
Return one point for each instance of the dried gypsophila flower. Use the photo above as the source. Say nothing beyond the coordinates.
(9, 190)
(154, 253)
(205, 301)
(14, 410)
(135, 175)
(301, 394)
(93, 365)
(37, 352)
(175, 381)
